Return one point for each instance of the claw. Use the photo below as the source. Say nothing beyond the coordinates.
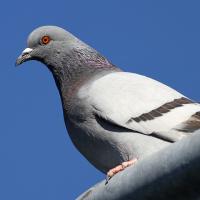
(107, 179)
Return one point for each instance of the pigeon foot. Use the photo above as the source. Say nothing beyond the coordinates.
(119, 168)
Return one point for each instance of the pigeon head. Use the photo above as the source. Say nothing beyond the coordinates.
(48, 44)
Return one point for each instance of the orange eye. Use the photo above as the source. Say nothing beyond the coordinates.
(45, 39)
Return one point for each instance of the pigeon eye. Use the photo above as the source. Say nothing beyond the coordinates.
(45, 39)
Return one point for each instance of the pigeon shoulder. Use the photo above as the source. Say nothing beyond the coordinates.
(124, 91)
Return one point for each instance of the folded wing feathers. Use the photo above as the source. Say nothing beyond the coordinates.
(191, 125)
(142, 104)
(167, 107)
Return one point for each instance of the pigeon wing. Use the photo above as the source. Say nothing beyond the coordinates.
(140, 104)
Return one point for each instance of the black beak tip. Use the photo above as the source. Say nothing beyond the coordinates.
(23, 58)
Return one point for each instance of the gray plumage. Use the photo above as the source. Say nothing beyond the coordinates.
(111, 116)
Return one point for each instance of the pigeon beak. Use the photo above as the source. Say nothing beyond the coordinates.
(25, 56)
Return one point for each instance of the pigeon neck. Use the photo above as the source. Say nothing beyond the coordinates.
(79, 67)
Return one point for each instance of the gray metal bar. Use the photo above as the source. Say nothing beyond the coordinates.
(173, 173)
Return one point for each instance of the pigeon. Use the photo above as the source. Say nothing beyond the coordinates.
(114, 118)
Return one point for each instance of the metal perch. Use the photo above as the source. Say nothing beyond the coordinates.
(173, 173)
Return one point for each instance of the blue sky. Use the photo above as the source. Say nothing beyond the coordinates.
(160, 39)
